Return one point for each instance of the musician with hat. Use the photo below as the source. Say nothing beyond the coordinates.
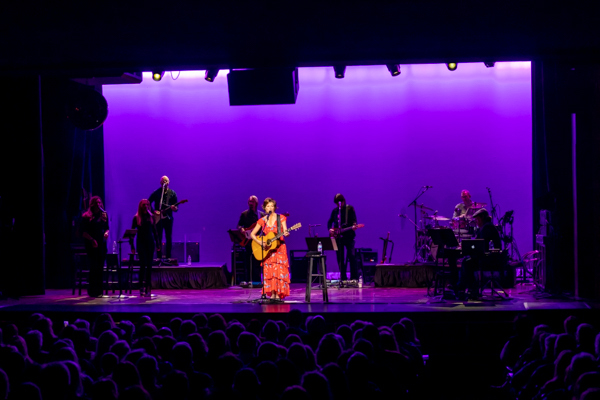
(488, 232)
(343, 217)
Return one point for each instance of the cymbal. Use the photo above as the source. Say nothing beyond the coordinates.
(422, 207)
(438, 217)
(478, 205)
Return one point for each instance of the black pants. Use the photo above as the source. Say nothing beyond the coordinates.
(350, 254)
(145, 254)
(467, 275)
(97, 257)
(165, 224)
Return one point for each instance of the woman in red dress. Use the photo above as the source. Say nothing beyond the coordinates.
(276, 270)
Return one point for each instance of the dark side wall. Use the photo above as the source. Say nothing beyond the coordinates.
(46, 162)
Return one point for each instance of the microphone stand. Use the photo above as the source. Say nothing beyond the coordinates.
(414, 204)
(263, 297)
(494, 215)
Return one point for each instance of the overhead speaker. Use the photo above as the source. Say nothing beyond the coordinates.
(250, 87)
(87, 109)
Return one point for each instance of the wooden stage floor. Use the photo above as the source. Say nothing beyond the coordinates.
(235, 300)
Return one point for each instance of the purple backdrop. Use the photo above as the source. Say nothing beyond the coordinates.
(374, 138)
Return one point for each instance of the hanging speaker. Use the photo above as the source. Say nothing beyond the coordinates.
(87, 109)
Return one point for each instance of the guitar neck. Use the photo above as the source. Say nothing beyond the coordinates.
(169, 206)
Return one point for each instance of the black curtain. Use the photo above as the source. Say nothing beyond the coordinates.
(74, 172)
(21, 189)
(565, 96)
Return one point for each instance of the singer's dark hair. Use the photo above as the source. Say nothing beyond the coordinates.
(267, 201)
(339, 197)
(93, 201)
(141, 214)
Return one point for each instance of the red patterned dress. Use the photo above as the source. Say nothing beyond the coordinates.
(276, 266)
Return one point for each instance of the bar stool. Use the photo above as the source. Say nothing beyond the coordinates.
(322, 277)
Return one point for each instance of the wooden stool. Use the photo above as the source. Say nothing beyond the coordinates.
(322, 277)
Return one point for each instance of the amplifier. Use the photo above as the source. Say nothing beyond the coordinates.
(298, 266)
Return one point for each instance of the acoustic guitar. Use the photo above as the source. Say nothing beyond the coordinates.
(160, 214)
(272, 241)
(337, 232)
(247, 231)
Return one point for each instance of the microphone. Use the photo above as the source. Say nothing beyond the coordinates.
(101, 209)
(314, 224)
(427, 187)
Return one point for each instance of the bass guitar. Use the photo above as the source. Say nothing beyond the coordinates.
(272, 241)
(160, 214)
(335, 232)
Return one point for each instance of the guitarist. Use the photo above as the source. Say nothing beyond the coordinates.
(344, 216)
(276, 270)
(164, 198)
(248, 220)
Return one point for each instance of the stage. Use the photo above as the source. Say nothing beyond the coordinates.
(236, 300)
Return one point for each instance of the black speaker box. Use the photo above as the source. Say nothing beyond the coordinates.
(263, 86)
(298, 266)
(177, 251)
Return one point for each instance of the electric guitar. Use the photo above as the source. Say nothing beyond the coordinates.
(247, 231)
(160, 214)
(337, 232)
(272, 241)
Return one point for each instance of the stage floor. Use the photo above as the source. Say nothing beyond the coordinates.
(239, 301)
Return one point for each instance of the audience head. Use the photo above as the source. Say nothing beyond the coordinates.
(571, 323)
(108, 362)
(295, 393)
(316, 385)
(126, 374)
(187, 328)
(55, 381)
(216, 322)
(200, 320)
(246, 383)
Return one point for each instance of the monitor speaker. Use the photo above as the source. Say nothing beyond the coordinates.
(263, 86)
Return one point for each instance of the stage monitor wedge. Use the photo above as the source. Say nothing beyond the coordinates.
(262, 86)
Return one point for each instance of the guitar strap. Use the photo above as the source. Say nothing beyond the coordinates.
(278, 224)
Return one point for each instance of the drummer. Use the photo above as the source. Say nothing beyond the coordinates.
(461, 209)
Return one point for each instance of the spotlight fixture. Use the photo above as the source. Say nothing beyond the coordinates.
(394, 69)
(452, 66)
(157, 75)
(489, 64)
(340, 71)
(211, 74)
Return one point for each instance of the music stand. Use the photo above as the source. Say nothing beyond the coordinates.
(443, 237)
(328, 243)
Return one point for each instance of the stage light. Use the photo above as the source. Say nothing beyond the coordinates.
(340, 71)
(211, 74)
(452, 66)
(157, 75)
(489, 64)
(394, 69)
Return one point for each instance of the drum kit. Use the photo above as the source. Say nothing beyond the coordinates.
(462, 226)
